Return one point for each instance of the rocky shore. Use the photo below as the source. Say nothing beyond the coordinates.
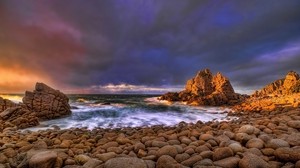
(255, 140)
(265, 133)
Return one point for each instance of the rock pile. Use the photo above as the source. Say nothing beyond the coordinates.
(43, 103)
(206, 89)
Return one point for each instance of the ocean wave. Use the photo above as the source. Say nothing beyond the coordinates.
(134, 112)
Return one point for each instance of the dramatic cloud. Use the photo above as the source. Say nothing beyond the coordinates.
(144, 44)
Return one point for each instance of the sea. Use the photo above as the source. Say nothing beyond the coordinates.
(119, 111)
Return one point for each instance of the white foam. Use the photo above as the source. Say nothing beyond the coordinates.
(122, 115)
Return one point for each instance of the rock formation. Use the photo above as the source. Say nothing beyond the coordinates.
(41, 104)
(47, 102)
(289, 85)
(5, 103)
(206, 89)
(282, 94)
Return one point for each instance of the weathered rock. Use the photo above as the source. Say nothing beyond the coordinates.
(44, 159)
(206, 89)
(47, 102)
(20, 117)
(252, 161)
(128, 162)
(5, 104)
(290, 84)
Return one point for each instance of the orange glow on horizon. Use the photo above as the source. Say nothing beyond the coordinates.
(17, 80)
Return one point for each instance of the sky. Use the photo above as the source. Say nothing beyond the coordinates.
(145, 46)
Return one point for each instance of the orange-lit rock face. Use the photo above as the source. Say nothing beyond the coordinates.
(16, 80)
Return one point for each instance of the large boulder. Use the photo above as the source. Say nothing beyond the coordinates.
(206, 89)
(47, 102)
(43, 103)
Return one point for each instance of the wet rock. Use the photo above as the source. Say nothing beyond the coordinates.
(128, 162)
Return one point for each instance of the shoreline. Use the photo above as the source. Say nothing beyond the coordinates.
(267, 139)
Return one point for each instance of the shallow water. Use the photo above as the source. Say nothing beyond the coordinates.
(115, 111)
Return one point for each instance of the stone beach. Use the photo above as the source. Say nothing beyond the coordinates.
(254, 140)
(264, 132)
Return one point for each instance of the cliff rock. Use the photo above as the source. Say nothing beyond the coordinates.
(282, 94)
(46, 102)
(206, 89)
(43, 103)
(289, 85)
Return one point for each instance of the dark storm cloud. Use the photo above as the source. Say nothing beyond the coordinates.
(152, 42)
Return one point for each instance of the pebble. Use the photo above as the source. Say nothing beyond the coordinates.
(167, 150)
(221, 153)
